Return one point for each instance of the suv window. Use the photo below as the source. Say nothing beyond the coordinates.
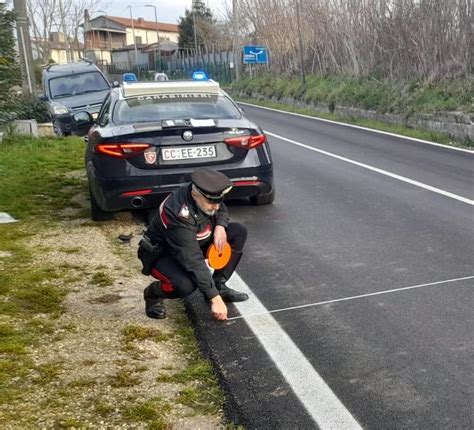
(160, 107)
(78, 83)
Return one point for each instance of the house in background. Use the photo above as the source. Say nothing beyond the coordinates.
(55, 48)
(106, 33)
(146, 56)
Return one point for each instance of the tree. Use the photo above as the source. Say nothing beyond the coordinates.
(402, 39)
(206, 27)
(9, 66)
(45, 17)
(42, 16)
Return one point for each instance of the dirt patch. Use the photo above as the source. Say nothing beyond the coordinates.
(106, 298)
(90, 372)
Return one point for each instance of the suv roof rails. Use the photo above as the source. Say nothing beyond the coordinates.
(86, 60)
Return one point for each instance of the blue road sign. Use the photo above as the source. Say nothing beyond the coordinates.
(255, 55)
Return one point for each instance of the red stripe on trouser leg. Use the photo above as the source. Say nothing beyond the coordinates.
(165, 282)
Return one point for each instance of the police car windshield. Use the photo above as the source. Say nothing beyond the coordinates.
(76, 84)
(173, 106)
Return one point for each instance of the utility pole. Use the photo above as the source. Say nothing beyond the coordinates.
(300, 40)
(235, 24)
(157, 34)
(24, 47)
(134, 40)
(194, 28)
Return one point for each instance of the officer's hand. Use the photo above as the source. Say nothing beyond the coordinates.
(220, 237)
(218, 308)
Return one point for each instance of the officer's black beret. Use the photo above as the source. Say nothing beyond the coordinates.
(211, 184)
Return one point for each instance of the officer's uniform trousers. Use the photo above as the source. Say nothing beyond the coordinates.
(185, 233)
(176, 282)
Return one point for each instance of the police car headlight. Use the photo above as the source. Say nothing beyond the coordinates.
(60, 110)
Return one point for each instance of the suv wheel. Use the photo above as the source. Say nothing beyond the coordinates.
(97, 214)
(263, 199)
(57, 129)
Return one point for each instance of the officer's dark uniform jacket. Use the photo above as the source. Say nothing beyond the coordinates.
(184, 232)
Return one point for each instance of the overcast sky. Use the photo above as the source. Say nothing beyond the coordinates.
(167, 10)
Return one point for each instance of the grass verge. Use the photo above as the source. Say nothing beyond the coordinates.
(35, 176)
(40, 181)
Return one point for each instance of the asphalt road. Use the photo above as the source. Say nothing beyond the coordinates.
(339, 230)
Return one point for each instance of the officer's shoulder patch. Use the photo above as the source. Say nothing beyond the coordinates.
(184, 211)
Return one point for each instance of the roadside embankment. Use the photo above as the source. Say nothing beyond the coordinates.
(444, 108)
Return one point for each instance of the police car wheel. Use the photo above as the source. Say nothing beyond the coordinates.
(97, 214)
(263, 199)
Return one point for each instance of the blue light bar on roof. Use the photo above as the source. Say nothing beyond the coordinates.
(129, 77)
(200, 75)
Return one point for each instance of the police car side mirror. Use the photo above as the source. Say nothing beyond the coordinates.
(43, 98)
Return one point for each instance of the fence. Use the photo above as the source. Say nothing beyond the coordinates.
(180, 65)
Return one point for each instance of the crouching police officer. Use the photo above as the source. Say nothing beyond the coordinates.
(188, 221)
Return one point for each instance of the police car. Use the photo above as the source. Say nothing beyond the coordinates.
(150, 136)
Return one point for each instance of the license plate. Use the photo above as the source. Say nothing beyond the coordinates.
(188, 152)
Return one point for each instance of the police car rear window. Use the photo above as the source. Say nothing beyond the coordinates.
(173, 106)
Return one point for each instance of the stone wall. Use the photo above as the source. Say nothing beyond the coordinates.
(30, 127)
(456, 124)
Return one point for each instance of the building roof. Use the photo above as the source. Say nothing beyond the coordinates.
(146, 25)
(164, 45)
(131, 47)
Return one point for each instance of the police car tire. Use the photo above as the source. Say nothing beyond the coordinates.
(97, 214)
(263, 199)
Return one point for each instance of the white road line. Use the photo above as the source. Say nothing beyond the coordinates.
(316, 396)
(375, 169)
(413, 139)
(248, 315)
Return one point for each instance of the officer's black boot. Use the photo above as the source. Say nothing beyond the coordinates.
(222, 276)
(154, 295)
